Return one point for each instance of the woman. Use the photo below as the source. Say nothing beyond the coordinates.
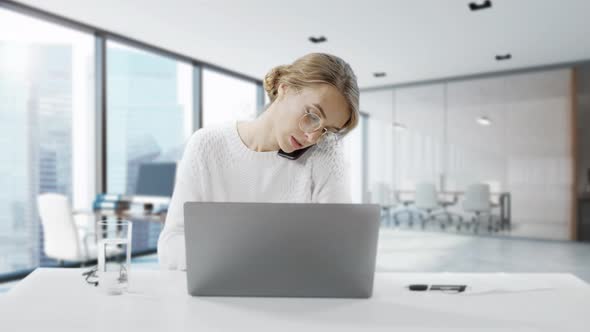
(314, 101)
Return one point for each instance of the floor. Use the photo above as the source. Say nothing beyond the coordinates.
(402, 250)
(419, 251)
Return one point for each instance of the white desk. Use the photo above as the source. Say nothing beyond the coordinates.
(60, 300)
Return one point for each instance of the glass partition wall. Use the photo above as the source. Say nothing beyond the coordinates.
(511, 132)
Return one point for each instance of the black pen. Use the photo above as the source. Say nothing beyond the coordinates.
(449, 288)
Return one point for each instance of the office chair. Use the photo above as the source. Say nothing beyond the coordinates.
(406, 209)
(477, 201)
(64, 239)
(448, 215)
(426, 201)
(383, 195)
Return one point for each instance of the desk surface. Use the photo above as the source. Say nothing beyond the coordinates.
(59, 300)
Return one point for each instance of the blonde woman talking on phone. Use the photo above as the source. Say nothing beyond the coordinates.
(291, 153)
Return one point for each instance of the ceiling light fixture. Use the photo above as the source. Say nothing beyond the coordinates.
(484, 5)
(502, 57)
(317, 40)
(484, 121)
(379, 74)
(399, 126)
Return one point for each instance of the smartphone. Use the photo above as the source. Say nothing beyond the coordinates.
(293, 155)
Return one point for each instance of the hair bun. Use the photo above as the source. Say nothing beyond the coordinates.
(271, 81)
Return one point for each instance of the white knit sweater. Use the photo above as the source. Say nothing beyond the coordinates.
(218, 167)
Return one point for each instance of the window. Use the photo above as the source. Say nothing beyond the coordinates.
(48, 115)
(46, 120)
(149, 112)
(227, 99)
(149, 119)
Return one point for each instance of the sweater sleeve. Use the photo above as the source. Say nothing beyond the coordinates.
(171, 243)
(330, 174)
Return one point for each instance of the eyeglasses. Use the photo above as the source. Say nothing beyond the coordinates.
(311, 123)
(91, 276)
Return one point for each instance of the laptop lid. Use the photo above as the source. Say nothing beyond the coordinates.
(281, 249)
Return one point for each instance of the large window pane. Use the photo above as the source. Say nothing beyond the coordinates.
(149, 112)
(353, 154)
(226, 98)
(149, 118)
(46, 120)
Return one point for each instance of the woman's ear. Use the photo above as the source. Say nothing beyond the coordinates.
(282, 90)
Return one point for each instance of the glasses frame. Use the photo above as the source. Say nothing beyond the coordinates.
(325, 132)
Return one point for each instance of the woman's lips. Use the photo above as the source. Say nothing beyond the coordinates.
(295, 143)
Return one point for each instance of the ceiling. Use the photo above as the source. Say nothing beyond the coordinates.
(412, 40)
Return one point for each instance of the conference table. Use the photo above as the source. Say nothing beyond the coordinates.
(58, 299)
(502, 200)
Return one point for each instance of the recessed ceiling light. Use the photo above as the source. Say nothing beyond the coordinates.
(379, 74)
(398, 126)
(502, 57)
(479, 6)
(317, 40)
(484, 121)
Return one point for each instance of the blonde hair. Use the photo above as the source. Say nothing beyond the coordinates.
(315, 68)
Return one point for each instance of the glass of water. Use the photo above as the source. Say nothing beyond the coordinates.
(114, 255)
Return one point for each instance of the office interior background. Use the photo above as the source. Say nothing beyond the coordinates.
(451, 97)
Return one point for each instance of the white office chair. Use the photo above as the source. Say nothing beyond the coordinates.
(64, 240)
(383, 195)
(403, 206)
(478, 202)
(426, 201)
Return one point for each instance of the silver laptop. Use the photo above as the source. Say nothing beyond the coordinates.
(276, 249)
